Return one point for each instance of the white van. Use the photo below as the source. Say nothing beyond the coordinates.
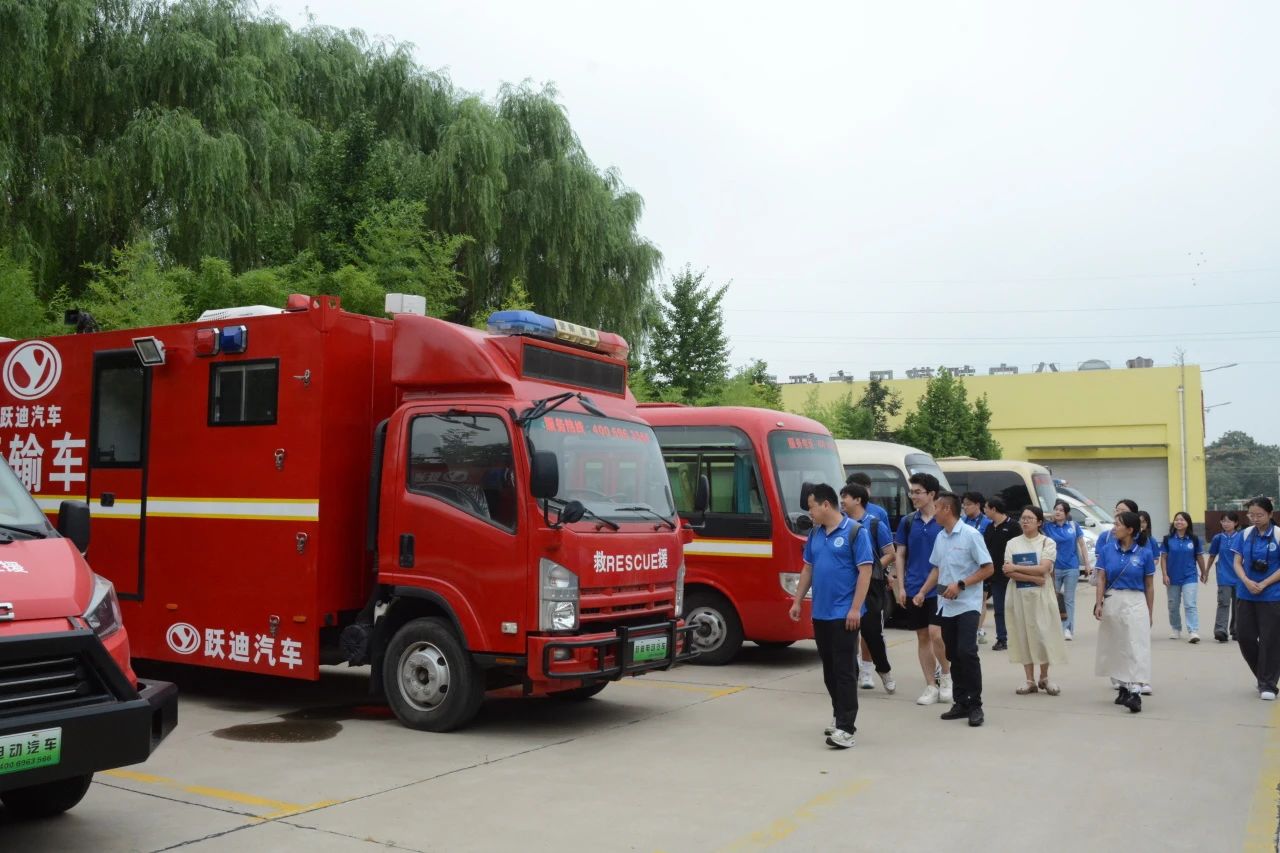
(888, 465)
(1017, 483)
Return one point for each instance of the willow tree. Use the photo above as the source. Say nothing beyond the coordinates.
(205, 129)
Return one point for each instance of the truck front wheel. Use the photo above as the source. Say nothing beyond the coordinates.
(47, 799)
(717, 629)
(431, 681)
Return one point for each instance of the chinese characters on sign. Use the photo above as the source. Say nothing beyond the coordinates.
(240, 647)
(606, 563)
(26, 452)
(574, 426)
(810, 443)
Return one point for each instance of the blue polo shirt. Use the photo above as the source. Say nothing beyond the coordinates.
(1125, 569)
(1251, 546)
(1065, 536)
(882, 536)
(881, 513)
(957, 555)
(980, 524)
(923, 533)
(1181, 553)
(1099, 544)
(1220, 547)
(835, 576)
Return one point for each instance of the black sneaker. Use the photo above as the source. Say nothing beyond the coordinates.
(1220, 636)
(1000, 646)
(1122, 698)
(957, 712)
(1134, 703)
(976, 718)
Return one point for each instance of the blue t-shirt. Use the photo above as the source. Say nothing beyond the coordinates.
(835, 574)
(1220, 547)
(1125, 569)
(1099, 544)
(881, 513)
(957, 555)
(1251, 546)
(980, 524)
(1065, 536)
(918, 550)
(882, 535)
(1180, 555)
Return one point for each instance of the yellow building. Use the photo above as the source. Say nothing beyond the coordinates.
(1111, 433)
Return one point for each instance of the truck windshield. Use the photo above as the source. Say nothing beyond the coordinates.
(17, 509)
(799, 458)
(613, 466)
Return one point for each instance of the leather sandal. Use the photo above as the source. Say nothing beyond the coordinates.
(1049, 687)
(1027, 689)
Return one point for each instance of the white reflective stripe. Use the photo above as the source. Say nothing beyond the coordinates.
(281, 509)
(52, 503)
(730, 548)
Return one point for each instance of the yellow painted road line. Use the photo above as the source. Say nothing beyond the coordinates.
(1260, 831)
(277, 808)
(786, 826)
(713, 691)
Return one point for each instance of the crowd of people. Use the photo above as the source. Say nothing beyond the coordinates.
(954, 553)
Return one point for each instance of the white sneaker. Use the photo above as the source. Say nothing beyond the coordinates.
(1267, 696)
(944, 689)
(1175, 635)
(840, 739)
(982, 637)
(865, 679)
(1066, 635)
(829, 730)
(1146, 690)
(929, 696)
(1194, 638)
(886, 678)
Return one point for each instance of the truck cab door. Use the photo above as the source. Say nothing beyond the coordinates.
(121, 414)
(459, 526)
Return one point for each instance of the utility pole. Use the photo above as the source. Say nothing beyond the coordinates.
(1182, 420)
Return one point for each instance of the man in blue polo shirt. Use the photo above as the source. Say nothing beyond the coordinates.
(837, 562)
(960, 563)
(914, 539)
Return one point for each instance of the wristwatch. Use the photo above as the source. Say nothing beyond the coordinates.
(961, 585)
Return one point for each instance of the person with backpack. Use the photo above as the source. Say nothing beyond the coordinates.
(971, 506)
(1003, 528)
(855, 500)
(1126, 593)
(1224, 625)
(837, 564)
(914, 540)
(1257, 559)
(1182, 565)
(866, 679)
(1068, 538)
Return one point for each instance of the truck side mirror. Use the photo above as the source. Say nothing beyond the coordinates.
(73, 523)
(573, 512)
(702, 497)
(544, 474)
(806, 489)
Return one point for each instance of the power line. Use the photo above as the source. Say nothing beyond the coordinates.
(990, 311)
(855, 340)
(1007, 280)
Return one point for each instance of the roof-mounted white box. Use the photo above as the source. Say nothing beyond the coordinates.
(406, 303)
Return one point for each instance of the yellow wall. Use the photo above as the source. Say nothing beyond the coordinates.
(1094, 414)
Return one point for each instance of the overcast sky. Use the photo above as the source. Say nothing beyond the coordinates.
(898, 171)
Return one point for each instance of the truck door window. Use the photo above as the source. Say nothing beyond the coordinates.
(119, 409)
(465, 461)
(244, 393)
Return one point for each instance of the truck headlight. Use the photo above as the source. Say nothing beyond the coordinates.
(791, 582)
(558, 599)
(103, 614)
(680, 589)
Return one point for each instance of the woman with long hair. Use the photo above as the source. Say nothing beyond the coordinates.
(1183, 568)
(1069, 539)
(1224, 625)
(1126, 592)
(1031, 608)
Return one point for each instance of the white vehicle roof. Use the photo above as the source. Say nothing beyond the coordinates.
(854, 450)
(215, 314)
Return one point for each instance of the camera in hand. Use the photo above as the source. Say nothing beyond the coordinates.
(1260, 566)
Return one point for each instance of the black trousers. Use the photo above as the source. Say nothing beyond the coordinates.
(838, 649)
(1258, 630)
(873, 624)
(998, 591)
(960, 634)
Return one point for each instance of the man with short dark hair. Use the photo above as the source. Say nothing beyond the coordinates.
(960, 563)
(914, 539)
(999, 533)
(837, 563)
(854, 499)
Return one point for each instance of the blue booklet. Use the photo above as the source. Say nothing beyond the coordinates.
(1025, 558)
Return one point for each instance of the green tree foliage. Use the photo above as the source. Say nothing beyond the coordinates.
(883, 403)
(751, 385)
(946, 424)
(843, 417)
(24, 314)
(689, 353)
(209, 130)
(1239, 468)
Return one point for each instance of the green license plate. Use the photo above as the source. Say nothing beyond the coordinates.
(30, 750)
(653, 648)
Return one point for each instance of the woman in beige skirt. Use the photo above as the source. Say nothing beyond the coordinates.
(1031, 608)
(1126, 570)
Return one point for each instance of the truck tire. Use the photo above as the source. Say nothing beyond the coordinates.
(432, 684)
(719, 630)
(47, 799)
(580, 694)
(775, 644)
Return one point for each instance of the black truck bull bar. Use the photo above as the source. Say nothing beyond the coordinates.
(679, 649)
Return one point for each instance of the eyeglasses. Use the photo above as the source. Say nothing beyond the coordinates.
(918, 492)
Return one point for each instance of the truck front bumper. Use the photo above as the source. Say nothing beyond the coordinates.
(627, 650)
(109, 723)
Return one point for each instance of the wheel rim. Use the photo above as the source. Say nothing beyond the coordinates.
(424, 676)
(709, 628)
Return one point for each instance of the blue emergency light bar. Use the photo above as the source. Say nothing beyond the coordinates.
(539, 326)
(233, 339)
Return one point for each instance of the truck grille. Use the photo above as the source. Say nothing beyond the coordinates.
(44, 684)
(626, 601)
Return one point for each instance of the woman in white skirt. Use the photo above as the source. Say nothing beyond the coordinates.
(1031, 607)
(1126, 590)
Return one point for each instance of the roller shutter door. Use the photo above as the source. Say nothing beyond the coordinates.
(1108, 480)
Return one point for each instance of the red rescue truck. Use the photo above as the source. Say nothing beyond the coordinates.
(745, 559)
(276, 489)
(70, 704)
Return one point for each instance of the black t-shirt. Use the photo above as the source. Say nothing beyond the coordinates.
(997, 537)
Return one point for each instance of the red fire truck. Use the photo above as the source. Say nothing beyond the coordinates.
(745, 559)
(272, 490)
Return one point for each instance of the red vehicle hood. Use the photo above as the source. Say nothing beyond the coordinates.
(44, 579)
